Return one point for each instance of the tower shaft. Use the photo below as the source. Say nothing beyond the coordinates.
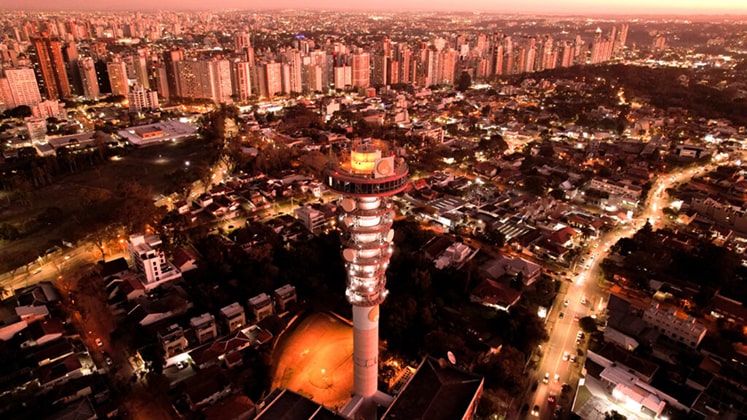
(365, 183)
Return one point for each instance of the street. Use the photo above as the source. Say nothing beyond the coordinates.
(585, 297)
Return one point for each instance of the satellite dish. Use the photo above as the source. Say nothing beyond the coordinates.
(451, 357)
(348, 204)
(348, 254)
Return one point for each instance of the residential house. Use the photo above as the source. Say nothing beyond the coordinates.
(495, 295)
(43, 331)
(284, 295)
(233, 407)
(233, 316)
(204, 327)
(185, 259)
(62, 371)
(172, 340)
(207, 387)
(261, 306)
(227, 350)
(456, 254)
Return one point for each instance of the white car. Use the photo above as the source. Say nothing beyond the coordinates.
(99, 343)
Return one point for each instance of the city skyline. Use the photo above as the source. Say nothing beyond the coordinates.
(567, 7)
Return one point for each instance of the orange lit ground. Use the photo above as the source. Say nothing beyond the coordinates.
(315, 360)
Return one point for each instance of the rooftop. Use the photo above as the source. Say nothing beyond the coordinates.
(437, 391)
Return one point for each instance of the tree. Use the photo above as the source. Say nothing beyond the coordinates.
(135, 208)
(504, 370)
(535, 184)
(496, 144)
(464, 82)
(314, 162)
(19, 112)
(588, 324)
(614, 415)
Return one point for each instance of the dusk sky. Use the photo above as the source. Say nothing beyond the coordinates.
(527, 6)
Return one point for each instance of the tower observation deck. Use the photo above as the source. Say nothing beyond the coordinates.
(365, 180)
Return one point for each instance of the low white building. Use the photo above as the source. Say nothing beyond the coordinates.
(150, 260)
(283, 296)
(261, 306)
(204, 327)
(676, 325)
(233, 316)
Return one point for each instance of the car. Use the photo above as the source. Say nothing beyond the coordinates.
(99, 343)
(547, 378)
(108, 359)
(551, 399)
(536, 411)
(575, 317)
(534, 386)
(557, 377)
(565, 356)
(572, 359)
(565, 302)
(181, 364)
(561, 316)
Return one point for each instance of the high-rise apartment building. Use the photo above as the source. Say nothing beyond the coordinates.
(140, 63)
(70, 55)
(117, 71)
(343, 76)
(292, 80)
(361, 69)
(241, 41)
(140, 99)
(242, 80)
(88, 78)
(170, 58)
(52, 67)
(220, 73)
(21, 88)
(270, 79)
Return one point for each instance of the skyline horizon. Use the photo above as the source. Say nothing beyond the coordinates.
(572, 8)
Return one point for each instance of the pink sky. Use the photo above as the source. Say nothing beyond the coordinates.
(512, 6)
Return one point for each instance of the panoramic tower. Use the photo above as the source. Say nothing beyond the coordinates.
(366, 179)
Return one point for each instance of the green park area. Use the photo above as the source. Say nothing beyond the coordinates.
(87, 195)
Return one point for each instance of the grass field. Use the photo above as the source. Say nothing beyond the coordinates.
(149, 166)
